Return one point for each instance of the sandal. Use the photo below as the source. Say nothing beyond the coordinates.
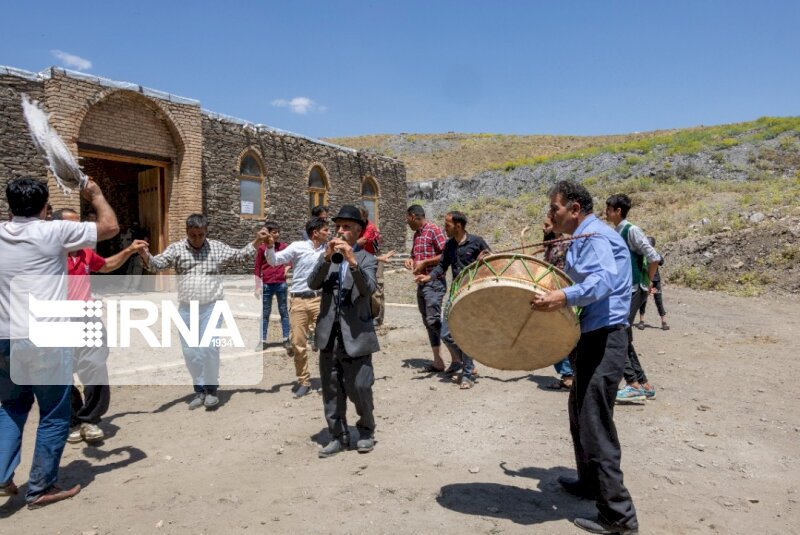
(664, 327)
(563, 383)
(430, 368)
(453, 368)
(466, 384)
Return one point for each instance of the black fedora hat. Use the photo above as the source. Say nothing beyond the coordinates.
(348, 211)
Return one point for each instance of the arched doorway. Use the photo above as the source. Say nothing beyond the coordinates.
(132, 149)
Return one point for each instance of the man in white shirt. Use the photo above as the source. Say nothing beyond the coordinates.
(29, 245)
(304, 303)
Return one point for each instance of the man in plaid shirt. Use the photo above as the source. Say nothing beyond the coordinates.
(426, 252)
(198, 262)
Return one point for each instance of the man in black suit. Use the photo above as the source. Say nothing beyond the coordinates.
(346, 332)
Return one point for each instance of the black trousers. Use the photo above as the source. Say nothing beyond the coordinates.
(346, 377)
(634, 372)
(429, 303)
(598, 368)
(658, 298)
(90, 365)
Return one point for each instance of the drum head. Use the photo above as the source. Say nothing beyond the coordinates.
(494, 324)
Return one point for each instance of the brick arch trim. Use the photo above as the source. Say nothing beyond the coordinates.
(325, 175)
(250, 149)
(172, 125)
(374, 181)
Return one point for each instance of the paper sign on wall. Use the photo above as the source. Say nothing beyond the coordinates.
(247, 207)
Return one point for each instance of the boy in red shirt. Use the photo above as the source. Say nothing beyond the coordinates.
(90, 362)
(271, 280)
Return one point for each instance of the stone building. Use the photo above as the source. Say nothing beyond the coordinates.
(159, 158)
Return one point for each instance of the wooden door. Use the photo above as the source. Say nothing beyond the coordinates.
(151, 207)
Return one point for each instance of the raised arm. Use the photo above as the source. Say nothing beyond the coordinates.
(107, 226)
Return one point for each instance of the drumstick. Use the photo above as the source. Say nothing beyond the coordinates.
(530, 315)
(522, 238)
(548, 242)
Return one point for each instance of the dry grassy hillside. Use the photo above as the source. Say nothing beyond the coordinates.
(723, 201)
(431, 156)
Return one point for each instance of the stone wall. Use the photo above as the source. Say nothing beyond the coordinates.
(205, 150)
(287, 161)
(146, 124)
(18, 156)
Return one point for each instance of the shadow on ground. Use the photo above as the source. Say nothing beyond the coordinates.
(546, 503)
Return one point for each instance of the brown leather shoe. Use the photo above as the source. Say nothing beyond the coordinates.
(54, 494)
(9, 489)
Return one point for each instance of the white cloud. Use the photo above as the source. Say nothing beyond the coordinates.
(299, 105)
(72, 61)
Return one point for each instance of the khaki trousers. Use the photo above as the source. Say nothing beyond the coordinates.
(303, 314)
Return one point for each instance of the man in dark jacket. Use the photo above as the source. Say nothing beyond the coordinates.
(346, 332)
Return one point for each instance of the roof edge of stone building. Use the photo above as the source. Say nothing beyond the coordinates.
(163, 95)
(279, 131)
(99, 80)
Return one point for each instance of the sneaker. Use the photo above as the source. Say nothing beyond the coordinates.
(287, 345)
(649, 394)
(664, 327)
(302, 390)
(211, 400)
(334, 446)
(640, 325)
(74, 435)
(197, 401)
(630, 394)
(92, 433)
(365, 444)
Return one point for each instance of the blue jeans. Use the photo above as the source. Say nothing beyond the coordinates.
(564, 368)
(51, 435)
(466, 361)
(280, 291)
(202, 362)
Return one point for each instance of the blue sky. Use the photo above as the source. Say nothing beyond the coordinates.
(346, 67)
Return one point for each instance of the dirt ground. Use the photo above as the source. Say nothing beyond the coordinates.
(716, 452)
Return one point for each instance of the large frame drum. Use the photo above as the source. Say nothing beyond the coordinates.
(490, 314)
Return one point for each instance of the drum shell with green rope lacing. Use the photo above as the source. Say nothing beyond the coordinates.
(491, 320)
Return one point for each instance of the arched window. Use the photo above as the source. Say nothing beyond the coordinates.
(369, 197)
(251, 186)
(317, 187)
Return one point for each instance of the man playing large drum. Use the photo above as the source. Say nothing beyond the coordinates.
(600, 267)
(461, 250)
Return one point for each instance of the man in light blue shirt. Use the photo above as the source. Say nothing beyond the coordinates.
(600, 266)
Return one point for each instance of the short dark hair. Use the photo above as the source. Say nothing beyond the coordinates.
(573, 192)
(197, 221)
(416, 210)
(58, 215)
(315, 223)
(271, 225)
(652, 240)
(318, 209)
(621, 201)
(458, 217)
(27, 196)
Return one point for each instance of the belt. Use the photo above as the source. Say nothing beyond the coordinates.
(305, 295)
